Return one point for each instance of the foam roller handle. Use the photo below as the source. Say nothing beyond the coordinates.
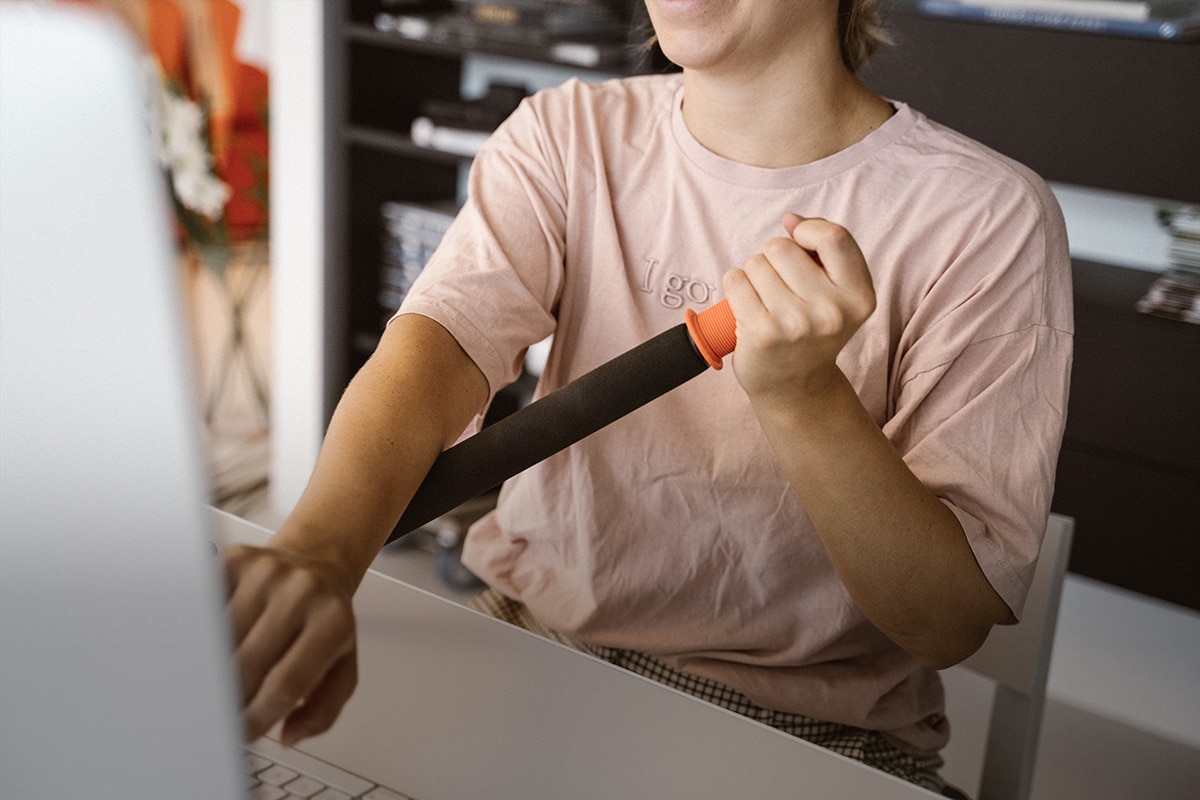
(568, 414)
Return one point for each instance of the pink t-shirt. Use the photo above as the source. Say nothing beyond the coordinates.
(593, 214)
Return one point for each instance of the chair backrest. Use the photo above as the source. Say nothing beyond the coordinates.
(1016, 659)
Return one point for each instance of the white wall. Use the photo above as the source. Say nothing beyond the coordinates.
(1113, 228)
(297, 245)
(254, 33)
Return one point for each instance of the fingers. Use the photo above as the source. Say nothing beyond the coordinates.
(251, 595)
(294, 643)
(785, 275)
(817, 276)
(790, 221)
(834, 249)
(319, 712)
(797, 303)
(286, 657)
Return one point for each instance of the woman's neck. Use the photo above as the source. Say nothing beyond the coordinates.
(781, 120)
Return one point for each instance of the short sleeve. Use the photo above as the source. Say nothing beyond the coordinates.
(980, 396)
(495, 279)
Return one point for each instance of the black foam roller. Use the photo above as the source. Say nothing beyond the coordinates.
(553, 423)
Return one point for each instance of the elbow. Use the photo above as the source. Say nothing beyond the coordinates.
(951, 638)
(951, 646)
(943, 658)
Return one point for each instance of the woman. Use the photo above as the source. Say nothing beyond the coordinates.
(804, 538)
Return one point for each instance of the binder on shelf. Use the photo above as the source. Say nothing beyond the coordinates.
(481, 114)
(410, 26)
(1184, 226)
(461, 126)
(411, 232)
(1132, 10)
(1176, 293)
(410, 18)
(459, 141)
(1170, 20)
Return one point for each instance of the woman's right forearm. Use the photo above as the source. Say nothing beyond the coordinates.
(411, 400)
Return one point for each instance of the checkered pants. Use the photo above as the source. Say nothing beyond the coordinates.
(869, 747)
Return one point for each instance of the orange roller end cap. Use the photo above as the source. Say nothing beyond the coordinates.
(713, 331)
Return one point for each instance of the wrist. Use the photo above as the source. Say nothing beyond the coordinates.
(324, 552)
(815, 400)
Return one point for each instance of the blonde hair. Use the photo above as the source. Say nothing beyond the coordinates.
(860, 31)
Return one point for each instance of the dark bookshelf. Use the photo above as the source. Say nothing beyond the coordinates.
(376, 84)
(1129, 472)
(1101, 111)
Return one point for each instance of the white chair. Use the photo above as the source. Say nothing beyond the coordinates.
(992, 756)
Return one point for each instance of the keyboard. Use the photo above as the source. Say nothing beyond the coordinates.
(275, 772)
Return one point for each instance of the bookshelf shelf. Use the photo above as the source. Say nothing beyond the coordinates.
(1107, 112)
(613, 58)
(398, 144)
(1129, 472)
(376, 83)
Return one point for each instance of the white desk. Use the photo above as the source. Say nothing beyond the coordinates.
(454, 705)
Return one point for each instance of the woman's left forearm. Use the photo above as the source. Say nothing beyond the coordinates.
(899, 550)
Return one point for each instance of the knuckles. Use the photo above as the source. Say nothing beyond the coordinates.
(832, 236)
(826, 318)
(274, 568)
(286, 688)
(863, 306)
(778, 248)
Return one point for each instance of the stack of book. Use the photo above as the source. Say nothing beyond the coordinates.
(1176, 293)
(411, 232)
(535, 23)
(461, 126)
(584, 33)
(1176, 20)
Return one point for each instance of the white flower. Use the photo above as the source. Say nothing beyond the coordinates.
(183, 130)
(178, 130)
(198, 189)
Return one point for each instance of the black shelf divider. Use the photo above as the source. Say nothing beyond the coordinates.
(398, 144)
